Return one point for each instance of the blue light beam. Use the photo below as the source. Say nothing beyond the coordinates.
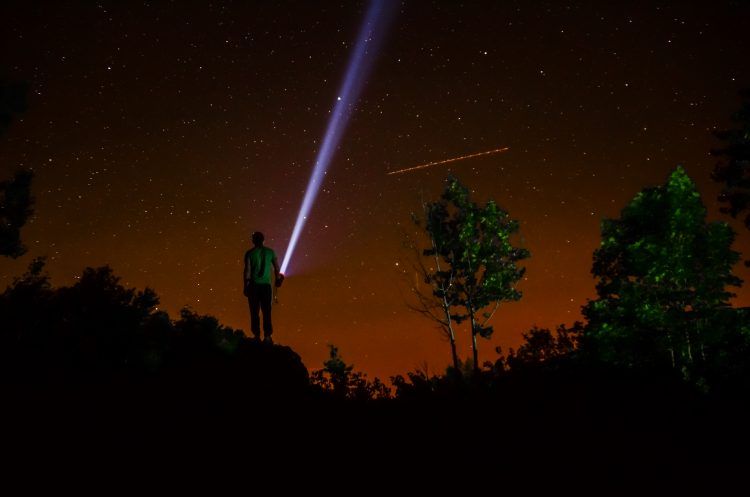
(360, 63)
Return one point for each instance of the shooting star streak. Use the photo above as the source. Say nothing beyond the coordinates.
(446, 161)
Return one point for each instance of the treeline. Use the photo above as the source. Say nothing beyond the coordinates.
(662, 310)
(664, 278)
(97, 333)
(664, 281)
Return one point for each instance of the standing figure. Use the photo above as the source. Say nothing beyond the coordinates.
(257, 280)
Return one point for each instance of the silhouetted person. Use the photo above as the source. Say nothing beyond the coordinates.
(257, 283)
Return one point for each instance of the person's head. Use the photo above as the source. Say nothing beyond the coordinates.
(258, 238)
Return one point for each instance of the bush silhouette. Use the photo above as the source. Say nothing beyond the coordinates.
(97, 332)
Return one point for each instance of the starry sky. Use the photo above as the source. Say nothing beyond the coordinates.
(162, 134)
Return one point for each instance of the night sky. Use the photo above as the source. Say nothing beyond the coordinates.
(162, 134)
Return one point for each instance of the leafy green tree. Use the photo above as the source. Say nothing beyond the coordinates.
(663, 273)
(480, 264)
(733, 171)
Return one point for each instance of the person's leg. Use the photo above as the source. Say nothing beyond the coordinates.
(254, 304)
(265, 305)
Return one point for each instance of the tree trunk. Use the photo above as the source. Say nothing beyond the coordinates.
(470, 302)
(446, 306)
(689, 348)
(451, 334)
(474, 349)
(671, 350)
(454, 353)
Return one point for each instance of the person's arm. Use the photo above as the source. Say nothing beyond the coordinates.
(245, 275)
(279, 278)
(275, 263)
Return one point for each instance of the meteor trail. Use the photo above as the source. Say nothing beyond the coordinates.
(454, 159)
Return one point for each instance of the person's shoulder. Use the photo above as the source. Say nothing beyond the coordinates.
(273, 254)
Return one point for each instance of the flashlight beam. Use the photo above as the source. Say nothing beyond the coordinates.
(362, 58)
(446, 161)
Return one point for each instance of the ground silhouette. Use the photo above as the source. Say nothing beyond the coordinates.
(96, 370)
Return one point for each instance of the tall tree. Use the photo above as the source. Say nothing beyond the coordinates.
(733, 171)
(480, 269)
(436, 302)
(15, 194)
(663, 273)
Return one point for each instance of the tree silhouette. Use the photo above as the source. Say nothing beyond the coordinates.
(480, 263)
(436, 303)
(78, 333)
(15, 209)
(15, 194)
(663, 273)
(342, 382)
(542, 347)
(733, 171)
(97, 331)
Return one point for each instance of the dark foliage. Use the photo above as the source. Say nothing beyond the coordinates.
(192, 391)
(98, 334)
(542, 348)
(16, 201)
(340, 381)
(733, 171)
(16, 205)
